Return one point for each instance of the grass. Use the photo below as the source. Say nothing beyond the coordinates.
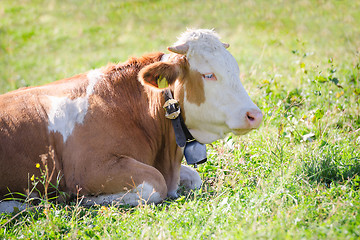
(295, 178)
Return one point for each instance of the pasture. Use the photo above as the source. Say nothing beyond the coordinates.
(297, 177)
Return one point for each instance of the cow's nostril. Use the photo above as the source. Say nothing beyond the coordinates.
(254, 118)
(251, 118)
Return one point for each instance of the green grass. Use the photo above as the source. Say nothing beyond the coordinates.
(295, 178)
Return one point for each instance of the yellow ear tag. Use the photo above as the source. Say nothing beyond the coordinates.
(162, 82)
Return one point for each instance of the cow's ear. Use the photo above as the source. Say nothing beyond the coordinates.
(159, 74)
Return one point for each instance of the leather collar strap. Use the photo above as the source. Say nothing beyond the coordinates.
(194, 152)
(172, 108)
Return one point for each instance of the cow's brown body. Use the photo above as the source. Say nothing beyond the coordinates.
(124, 122)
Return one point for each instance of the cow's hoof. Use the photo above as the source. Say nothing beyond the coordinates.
(173, 194)
(189, 178)
(11, 206)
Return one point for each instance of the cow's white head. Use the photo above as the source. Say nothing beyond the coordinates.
(208, 85)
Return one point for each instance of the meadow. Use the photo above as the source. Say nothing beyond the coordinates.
(297, 177)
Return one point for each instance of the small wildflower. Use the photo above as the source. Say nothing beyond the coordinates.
(103, 209)
(37, 165)
(293, 98)
(339, 94)
(32, 178)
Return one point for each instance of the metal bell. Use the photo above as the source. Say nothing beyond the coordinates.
(195, 153)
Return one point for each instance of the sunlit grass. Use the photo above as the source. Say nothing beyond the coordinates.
(297, 177)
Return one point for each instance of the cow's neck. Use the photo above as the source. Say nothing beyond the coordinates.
(169, 154)
(156, 102)
(146, 103)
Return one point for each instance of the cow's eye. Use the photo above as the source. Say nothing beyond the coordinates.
(209, 76)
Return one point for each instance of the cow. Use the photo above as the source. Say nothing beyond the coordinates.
(107, 128)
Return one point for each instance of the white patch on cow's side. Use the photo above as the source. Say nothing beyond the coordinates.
(65, 113)
(189, 177)
(11, 206)
(165, 58)
(94, 76)
(144, 193)
(226, 100)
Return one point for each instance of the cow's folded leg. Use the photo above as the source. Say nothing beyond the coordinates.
(124, 181)
(189, 177)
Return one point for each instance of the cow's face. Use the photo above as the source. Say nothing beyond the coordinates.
(214, 100)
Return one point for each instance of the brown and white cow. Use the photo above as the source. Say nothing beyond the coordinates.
(107, 127)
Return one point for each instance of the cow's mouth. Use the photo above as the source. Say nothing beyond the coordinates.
(240, 131)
